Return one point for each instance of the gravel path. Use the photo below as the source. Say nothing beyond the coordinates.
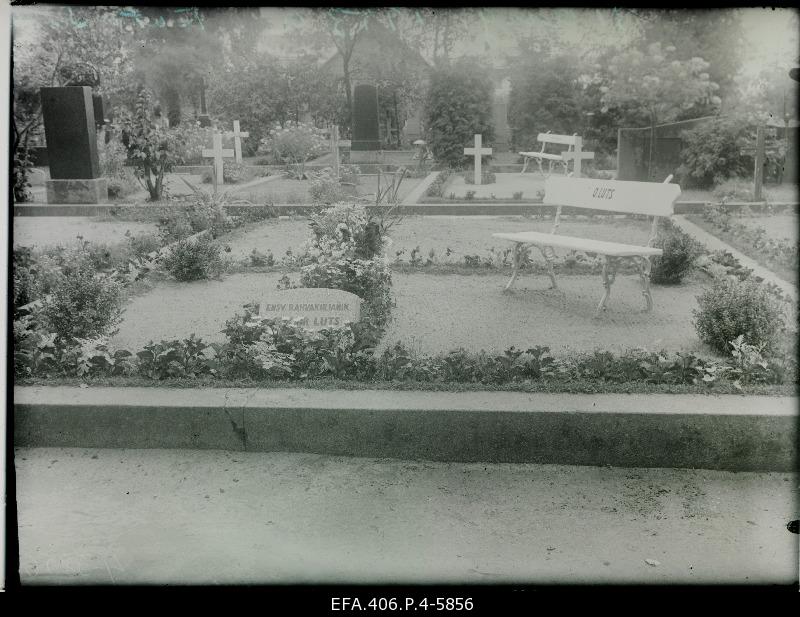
(41, 231)
(464, 235)
(106, 516)
(440, 313)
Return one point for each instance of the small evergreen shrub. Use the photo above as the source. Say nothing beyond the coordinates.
(436, 188)
(82, 304)
(194, 260)
(325, 189)
(680, 253)
(733, 308)
(234, 172)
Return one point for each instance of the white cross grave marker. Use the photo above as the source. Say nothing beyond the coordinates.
(577, 154)
(237, 142)
(217, 153)
(477, 151)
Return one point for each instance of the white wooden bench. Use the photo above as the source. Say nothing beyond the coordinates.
(574, 151)
(647, 198)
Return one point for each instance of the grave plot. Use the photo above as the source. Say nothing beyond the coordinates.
(449, 237)
(439, 313)
(526, 187)
(51, 231)
(771, 240)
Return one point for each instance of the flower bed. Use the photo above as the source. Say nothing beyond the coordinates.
(777, 254)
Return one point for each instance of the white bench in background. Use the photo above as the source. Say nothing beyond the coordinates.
(574, 152)
(649, 198)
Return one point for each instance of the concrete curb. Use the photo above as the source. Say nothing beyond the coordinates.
(736, 433)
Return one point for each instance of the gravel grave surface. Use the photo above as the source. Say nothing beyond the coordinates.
(437, 313)
(42, 231)
(440, 313)
(780, 226)
(504, 188)
(463, 235)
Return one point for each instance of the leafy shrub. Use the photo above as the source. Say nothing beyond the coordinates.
(732, 308)
(517, 195)
(711, 153)
(458, 105)
(194, 260)
(174, 358)
(207, 177)
(325, 189)
(469, 195)
(680, 253)
(143, 244)
(21, 172)
(294, 144)
(436, 188)
(82, 304)
(234, 172)
(344, 230)
(257, 258)
(153, 149)
(349, 174)
(194, 138)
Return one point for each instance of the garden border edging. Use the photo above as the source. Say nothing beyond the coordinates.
(728, 432)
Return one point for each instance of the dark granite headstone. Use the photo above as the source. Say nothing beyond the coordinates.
(70, 132)
(365, 118)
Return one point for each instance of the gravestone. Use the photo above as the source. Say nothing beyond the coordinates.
(366, 144)
(69, 126)
(317, 308)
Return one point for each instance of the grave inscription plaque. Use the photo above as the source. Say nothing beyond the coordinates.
(316, 308)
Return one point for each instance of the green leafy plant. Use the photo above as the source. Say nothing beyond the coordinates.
(192, 260)
(733, 308)
(153, 149)
(680, 251)
(234, 172)
(711, 153)
(294, 144)
(82, 303)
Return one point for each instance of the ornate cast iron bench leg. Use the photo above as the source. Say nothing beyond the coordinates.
(644, 275)
(549, 256)
(516, 257)
(610, 265)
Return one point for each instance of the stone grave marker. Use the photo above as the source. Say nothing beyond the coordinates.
(477, 152)
(218, 153)
(366, 142)
(69, 126)
(317, 307)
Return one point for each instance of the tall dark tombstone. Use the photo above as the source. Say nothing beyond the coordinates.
(366, 141)
(203, 118)
(69, 127)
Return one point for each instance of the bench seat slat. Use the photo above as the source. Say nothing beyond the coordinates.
(613, 249)
(543, 155)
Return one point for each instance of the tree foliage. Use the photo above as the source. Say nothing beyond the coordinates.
(458, 105)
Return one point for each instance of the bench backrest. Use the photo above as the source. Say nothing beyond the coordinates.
(567, 140)
(650, 198)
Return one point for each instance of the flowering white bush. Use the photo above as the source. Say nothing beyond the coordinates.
(294, 144)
